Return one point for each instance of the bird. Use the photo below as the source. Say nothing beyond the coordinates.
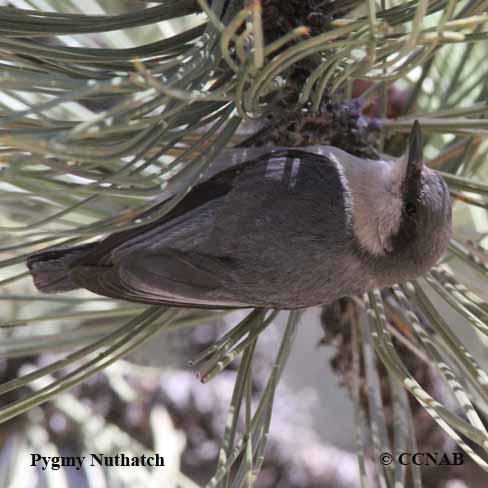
(277, 227)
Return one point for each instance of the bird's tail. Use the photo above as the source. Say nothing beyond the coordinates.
(50, 269)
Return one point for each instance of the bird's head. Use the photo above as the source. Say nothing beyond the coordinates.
(417, 231)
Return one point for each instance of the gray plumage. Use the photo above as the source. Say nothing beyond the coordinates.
(282, 227)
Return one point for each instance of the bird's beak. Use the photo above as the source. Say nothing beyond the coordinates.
(415, 146)
(414, 158)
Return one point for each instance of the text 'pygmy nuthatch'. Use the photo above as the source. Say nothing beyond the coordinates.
(281, 227)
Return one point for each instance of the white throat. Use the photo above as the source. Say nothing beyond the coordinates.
(374, 196)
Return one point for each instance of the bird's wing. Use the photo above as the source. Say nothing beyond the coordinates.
(170, 278)
(226, 243)
(126, 265)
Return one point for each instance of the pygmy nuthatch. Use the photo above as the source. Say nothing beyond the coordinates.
(280, 227)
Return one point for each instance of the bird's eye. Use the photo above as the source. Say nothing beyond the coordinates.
(410, 208)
